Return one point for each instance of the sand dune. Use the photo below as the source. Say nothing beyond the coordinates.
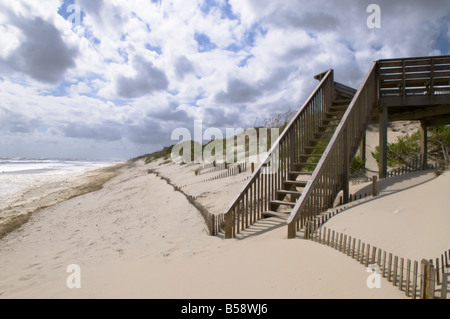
(138, 238)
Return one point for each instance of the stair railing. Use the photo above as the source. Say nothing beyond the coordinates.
(333, 170)
(261, 188)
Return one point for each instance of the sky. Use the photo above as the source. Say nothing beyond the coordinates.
(98, 79)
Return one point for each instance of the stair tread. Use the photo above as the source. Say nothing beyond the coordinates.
(305, 164)
(280, 202)
(341, 101)
(299, 173)
(283, 191)
(315, 147)
(295, 182)
(310, 155)
(275, 214)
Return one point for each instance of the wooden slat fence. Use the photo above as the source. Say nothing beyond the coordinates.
(425, 280)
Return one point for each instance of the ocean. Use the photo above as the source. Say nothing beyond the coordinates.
(18, 175)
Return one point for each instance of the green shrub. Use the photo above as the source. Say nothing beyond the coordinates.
(405, 150)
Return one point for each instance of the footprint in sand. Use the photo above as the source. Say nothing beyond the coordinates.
(27, 277)
(32, 266)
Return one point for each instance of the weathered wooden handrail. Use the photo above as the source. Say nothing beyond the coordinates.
(261, 188)
(332, 172)
(414, 81)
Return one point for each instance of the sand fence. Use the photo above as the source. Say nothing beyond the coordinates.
(427, 279)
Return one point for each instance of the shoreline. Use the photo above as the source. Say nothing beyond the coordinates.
(35, 200)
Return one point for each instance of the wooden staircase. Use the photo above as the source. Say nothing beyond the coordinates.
(309, 164)
(292, 188)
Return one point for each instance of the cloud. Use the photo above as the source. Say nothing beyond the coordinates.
(314, 21)
(17, 123)
(105, 131)
(42, 53)
(148, 79)
(238, 91)
(183, 67)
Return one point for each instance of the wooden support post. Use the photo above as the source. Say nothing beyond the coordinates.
(395, 270)
(349, 245)
(353, 248)
(344, 247)
(229, 225)
(425, 280)
(359, 249)
(424, 144)
(346, 168)
(291, 231)
(444, 286)
(400, 285)
(438, 281)
(390, 267)
(328, 237)
(384, 263)
(414, 286)
(383, 132)
(374, 252)
(408, 276)
(362, 253)
(446, 259)
(367, 256)
(374, 186)
(379, 257)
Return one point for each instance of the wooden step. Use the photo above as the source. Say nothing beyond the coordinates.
(305, 164)
(296, 183)
(322, 139)
(299, 173)
(270, 213)
(335, 113)
(342, 102)
(310, 155)
(336, 108)
(281, 203)
(327, 125)
(315, 147)
(292, 193)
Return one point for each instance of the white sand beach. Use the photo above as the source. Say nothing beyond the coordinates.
(139, 238)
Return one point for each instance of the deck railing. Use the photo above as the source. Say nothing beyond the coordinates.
(333, 170)
(414, 81)
(294, 141)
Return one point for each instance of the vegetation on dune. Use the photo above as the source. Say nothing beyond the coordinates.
(407, 148)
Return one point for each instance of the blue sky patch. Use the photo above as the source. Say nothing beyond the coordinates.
(204, 43)
(244, 61)
(225, 8)
(152, 48)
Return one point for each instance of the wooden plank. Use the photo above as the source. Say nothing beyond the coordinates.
(367, 255)
(395, 270)
(414, 282)
(362, 253)
(348, 248)
(438, 281)
(425, 273)
(400, 285)
(390, 268)
(228, 225)
(408, 276)
(444, 286)
(353, 248)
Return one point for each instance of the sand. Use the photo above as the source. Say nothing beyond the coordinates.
(137, 237)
